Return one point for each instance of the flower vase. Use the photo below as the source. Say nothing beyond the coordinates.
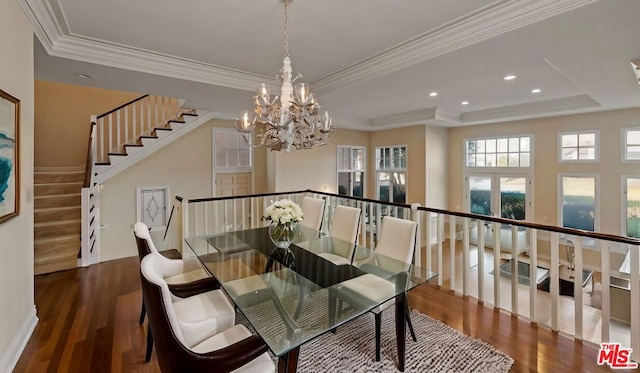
(282, 234)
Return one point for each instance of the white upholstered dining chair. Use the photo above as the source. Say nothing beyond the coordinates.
(345, 226)
(210, 347)
(198, 301)
(313, 211)
(397, 240)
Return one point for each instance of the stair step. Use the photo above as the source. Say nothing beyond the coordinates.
(148, 140)
(57, 188)
(62, 200)
(162, 132)
(115, 158)
(58, 177)
(56, 254)
(57, 228)
(57, 213)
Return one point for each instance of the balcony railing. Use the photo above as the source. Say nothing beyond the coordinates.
(584, 285)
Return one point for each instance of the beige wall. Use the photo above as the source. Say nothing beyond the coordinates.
(437, 167)
(415, 140)
(185, 165)
(62, 120)
(314, 169)
(17, 310)
(547, 167)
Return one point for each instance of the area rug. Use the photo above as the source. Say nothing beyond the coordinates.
(440, 348)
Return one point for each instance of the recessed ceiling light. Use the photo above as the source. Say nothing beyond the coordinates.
(537, 90)
(509, 77)
(433, 94)
(464, 103)
(84, 76)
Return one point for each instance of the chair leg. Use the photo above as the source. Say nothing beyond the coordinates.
(378, 319)
(413, 333)
(143, 311)
(149, 344)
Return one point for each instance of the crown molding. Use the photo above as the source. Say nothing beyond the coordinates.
(635, 65)
(495, 19)
(534, 109)
(406, 118)
(58, 44)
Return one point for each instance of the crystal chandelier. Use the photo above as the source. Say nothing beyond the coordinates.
(291, 119)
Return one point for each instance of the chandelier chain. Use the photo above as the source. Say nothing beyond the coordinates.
(286, 29)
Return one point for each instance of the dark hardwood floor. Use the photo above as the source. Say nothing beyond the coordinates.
(89, 323)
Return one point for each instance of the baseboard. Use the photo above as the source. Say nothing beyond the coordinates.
(9, 360)
(59, 169)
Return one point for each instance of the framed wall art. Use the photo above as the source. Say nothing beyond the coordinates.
(9, 160)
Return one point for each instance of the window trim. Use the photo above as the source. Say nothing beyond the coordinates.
(623, 202)
(623, 145)
(226, 170)
(596, 200)
(403, 170)
(166, 204)
(352, 170)
(490, 169)
(596, 146)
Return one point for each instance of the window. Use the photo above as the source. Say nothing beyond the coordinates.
(631, 144)
(152, 206)
(578, 146)
(230, 150)
(506, 195)
(351, 166)
(578, 201)
(391, 174)
(631, 209)
(499, 152)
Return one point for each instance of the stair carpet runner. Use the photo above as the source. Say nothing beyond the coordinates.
(57, 220)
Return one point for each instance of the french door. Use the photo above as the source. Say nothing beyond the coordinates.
(502, 195)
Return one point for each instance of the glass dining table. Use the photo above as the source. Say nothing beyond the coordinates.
(291, 296)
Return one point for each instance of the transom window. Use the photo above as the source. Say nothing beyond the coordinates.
(231, 152)
(578, 146)
(631, 144)
(499, 152)
(351, 166)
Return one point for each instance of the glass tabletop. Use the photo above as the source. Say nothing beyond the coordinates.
(290, 296)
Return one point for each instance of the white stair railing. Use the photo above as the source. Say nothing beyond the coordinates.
(126, 123)
(109, 133)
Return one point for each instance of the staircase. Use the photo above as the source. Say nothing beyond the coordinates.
(119, 139)
(57, 220)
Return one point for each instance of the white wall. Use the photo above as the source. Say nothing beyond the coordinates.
(17, 310)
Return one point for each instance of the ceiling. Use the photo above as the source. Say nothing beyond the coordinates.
(373, 63)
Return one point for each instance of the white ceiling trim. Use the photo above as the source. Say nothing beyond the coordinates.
(409, 117)
(57, 44)
(500, 17)
(537, 109)
(496, 19)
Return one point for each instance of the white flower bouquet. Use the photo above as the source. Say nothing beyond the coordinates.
(284, 216)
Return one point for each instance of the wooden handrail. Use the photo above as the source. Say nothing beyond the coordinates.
(519, 223)
(89, 161)
(121, 106)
